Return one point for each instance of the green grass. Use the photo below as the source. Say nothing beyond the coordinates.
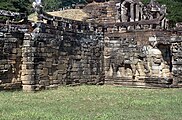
(92, 103)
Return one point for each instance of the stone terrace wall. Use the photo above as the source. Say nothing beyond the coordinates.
(55, 56)
(47, 54)
(176, 48)
(57, 51)
(11, 41)
(149, 58)
(10, 60)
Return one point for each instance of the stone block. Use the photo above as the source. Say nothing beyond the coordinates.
(56, 81)
(48, 64)
(28, 88)
(27, 72)
(27, 36)
(27, 78)
(26, 43)
(27, 65)
(62, 67)
(28, 82)
(49, 55)
(2, 67)
(45, 72)
(44, 82)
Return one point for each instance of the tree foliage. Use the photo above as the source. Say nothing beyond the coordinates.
(51, 5)
(16, 5)
(174, 9)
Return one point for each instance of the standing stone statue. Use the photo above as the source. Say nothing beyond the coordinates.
(123, 13)
(37, 5)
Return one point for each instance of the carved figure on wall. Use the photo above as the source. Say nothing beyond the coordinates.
(131, 60)
(147, 15)
(176, 69)
(145, 52)
(157, 59)
(120, 59)
(175, 47)
(150, 51)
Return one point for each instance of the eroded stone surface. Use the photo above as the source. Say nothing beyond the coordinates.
(125, 43)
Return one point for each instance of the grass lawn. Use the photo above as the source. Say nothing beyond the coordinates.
(92, 103)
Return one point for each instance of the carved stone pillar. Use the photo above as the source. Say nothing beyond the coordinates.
(123, 13)
(163, 23)
(151, 26)
(118, 15)
(141, 13)
(137, 13)
(28, 72)
(132, 12)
